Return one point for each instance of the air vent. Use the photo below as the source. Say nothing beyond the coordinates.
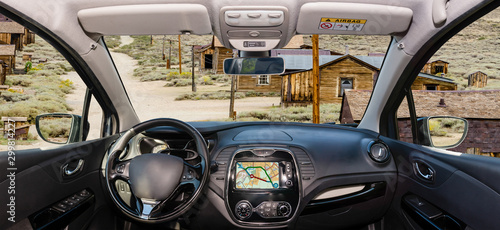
(222, 160)
(306, 166)
(378, 151)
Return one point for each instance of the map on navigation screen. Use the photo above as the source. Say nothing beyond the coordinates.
(257, 175)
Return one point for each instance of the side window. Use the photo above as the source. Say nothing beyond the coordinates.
(462, 80)
(35, 79)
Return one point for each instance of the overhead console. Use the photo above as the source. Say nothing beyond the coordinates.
(263, 186)
(254, 28)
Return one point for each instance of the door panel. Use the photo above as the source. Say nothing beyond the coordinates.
(464, 186)
(39, 182)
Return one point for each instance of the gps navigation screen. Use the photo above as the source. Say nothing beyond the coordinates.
(257, 175)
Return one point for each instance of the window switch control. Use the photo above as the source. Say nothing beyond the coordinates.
(422, 206)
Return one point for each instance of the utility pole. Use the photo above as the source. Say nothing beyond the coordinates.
(163, 49)
(315, 51)
(232, 113)
(169, 53)
(180, 55)
(193, 83)
(231, 101)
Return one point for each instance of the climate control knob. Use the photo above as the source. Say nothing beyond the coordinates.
(284, 209)
(243, 210)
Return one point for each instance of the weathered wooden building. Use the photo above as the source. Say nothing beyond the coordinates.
(29, 37)
(8, 56)
(435, 67)
(431, 82)
(480, 108)
(337, 75)
(212, 56)
(3, 75)
(20, 127)
(477, 79)
(12, 33)
(272, 83)
(341, 73)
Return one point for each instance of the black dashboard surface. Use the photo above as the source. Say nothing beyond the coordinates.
(337, 178)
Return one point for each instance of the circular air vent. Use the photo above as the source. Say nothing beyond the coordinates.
(378, 151)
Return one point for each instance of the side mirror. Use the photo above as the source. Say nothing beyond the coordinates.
(59, 128)
(442, 131)
(254, 66)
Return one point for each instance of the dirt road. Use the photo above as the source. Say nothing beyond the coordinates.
(153, 100)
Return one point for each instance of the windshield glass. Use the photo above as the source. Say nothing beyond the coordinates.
(159, 86)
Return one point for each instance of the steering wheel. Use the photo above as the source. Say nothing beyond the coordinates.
(163, 186)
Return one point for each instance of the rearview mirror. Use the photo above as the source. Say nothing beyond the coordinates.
(59, 128)
(254, 66)
(442, 131)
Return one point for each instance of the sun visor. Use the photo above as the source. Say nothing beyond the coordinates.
(146, 19)
(352, 18)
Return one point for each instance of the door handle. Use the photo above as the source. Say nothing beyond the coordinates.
(69, 172)
(428, 174)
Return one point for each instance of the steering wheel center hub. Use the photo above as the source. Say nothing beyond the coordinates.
(155, 176)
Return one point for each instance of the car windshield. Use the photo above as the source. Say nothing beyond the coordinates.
(159, 85)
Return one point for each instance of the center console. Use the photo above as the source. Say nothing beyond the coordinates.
(263, 186)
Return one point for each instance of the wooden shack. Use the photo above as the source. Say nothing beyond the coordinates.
(479, 107)
(477, 79)
(8, 56)
(343, 73)
(29, 37)
(12, 33)
(259, 83)
(21, 127)
(272, 83)
(3, 74)
(435, 67)
(430, 82)
(212, 56)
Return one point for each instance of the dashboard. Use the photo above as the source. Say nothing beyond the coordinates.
(275, 175)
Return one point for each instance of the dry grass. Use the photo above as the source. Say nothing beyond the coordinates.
(40, 50)
(328, 113)
(151, 55)
(112, 41)
(223, 95)
(44, 90)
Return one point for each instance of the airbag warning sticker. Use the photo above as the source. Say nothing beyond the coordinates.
(341, 24)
